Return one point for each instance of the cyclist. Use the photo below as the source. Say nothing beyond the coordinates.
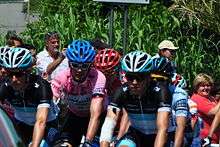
(142, 98)
(107, 61)
(179, 111)
(30, 96)
(82, 88)
(161, 75)
(3, 75)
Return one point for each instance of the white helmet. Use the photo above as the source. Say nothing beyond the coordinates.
(137, 61)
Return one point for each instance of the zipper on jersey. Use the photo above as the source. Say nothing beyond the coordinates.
(140, 103)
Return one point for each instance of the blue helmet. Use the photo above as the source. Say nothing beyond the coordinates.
(17, 58)
(162, 65)
(136, 61)
(80, 51)
(3, 50)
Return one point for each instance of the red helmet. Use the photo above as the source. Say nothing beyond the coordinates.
(107, 59)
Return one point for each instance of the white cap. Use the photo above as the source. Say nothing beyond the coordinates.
(167, 44)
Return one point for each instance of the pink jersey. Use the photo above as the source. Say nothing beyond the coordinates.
(79, 95)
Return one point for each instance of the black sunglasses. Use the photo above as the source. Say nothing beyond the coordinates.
(16, 74)
(136, 76)
(82, 66)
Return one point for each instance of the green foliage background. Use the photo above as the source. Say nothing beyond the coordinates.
(193, 25)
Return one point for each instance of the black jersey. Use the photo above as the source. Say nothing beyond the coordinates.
(142, 110)
(25, 103)
(155, 96)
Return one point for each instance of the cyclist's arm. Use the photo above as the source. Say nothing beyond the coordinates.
(109, 125)
(53, 65)
(165, 99)
(124, 124)
(96, 108)
(162, 126)
(181, 110)
(39, 126)
(215, 124)
(179, 134)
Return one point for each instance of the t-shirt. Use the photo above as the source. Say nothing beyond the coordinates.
(25, 103)
(204, 105)
(44, 59)
(78, 95)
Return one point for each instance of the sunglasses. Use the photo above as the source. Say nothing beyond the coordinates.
(136, 76)
(16, 74)
(82, 66)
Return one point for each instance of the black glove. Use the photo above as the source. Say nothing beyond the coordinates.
(87, 143)
(206, 141)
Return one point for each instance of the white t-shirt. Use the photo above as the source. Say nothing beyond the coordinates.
(44, 59)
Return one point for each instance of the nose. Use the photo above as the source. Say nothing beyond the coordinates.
(79, 70)
(14, 78)
(134, 81)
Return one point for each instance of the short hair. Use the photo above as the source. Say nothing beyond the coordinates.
(202, 78)
(49, 35)
(97, 43)
(10, 41)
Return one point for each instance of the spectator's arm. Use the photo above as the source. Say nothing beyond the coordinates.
(53, 65)
(214, 110)
(215, 124)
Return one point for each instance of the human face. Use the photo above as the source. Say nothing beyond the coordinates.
(17, 43)
(204, 89)
(168, 53)
(17, 79)
(137, 82)
(79, 71)
(53, 44)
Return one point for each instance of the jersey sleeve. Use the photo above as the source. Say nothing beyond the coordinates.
(116, 101)
(180, 103)
(44, 93)
(3, 92)
(162, 93)
(99, 87)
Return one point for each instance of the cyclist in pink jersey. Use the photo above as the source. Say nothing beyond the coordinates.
(82, 88)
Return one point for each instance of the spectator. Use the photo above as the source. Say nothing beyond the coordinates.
(207, 105)
(167, 50)
(216, 122)
(51, 61)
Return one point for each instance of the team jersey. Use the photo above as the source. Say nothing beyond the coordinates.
(142, 110)
(25, 103)
(179, 106)
(78, 95)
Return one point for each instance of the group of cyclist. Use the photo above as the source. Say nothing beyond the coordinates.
(84, 96)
